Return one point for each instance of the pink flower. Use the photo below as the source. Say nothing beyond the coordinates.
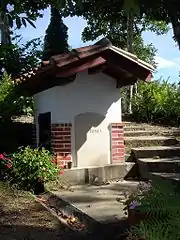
(61, 172)
(1, 156)
(54, 161)
(9, 165)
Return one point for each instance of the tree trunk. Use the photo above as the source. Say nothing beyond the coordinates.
(130, 23)
(176, 27)
(5, 31)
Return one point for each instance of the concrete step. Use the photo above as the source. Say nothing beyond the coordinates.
(101, 174)
(135, 128)
(148, 165)
(98, 202)
(156, 151)
(133, 142)
(175, 177)
(147, 127)
(152, 132)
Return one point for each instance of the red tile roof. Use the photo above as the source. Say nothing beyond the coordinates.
(125, 67)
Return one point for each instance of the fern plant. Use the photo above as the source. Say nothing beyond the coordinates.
(163, 207)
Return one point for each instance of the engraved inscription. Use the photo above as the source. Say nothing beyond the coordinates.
(95, 130)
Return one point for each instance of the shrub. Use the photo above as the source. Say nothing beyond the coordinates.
(31, 166)
(157, 102)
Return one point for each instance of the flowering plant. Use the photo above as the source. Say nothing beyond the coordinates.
(32, 165)
(5, 166)
(134, 199)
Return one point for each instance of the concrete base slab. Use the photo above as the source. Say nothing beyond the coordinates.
(100, 202)
(99, 175)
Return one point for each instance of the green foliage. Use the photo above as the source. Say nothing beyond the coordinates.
(166, 11)
(18, 59)
(144, 52)
(163, 208)
(157, 102)
(108, 19)
(33, 165)
(56, 38)
(12, 103)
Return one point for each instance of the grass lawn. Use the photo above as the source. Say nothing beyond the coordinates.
(21, 218)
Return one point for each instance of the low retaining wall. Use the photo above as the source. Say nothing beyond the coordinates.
(98, 175)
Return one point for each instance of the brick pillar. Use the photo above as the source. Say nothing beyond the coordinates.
(117, 143)
(61, 142)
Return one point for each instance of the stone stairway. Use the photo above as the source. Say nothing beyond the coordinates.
(154, 149)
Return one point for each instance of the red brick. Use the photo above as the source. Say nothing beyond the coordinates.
(62, 149)
(56, 145)
(117, 124)
(60, 141)
(117, 146)
(116, 142)
(121, 150)
(116, 154)
(67, 145)
(117, 131)
(114, 150)
(116, 160)
(57, 137)
(62, 157)
(64, 133)
(54, 125)
(60, 129)
(67, 137)
(114, 135)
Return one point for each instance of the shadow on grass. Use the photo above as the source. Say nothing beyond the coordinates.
(18, 225)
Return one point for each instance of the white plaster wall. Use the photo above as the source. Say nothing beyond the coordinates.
(88, 93)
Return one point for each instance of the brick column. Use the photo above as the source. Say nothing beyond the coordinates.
(117, 143)
(61, 142)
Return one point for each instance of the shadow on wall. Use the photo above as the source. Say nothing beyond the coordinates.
(83, 123)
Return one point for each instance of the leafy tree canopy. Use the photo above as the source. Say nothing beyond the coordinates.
(154, 10)
(17, 59)
(12, 103)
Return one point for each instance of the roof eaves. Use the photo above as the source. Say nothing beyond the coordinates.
(133, 58)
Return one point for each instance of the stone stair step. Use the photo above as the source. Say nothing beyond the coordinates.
(175, 177)
(152, 132)
(133, 142)
(131, 126)
(156, 151)
(148, 165)
(135, 128)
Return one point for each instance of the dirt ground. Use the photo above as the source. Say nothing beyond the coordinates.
(21, 218)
